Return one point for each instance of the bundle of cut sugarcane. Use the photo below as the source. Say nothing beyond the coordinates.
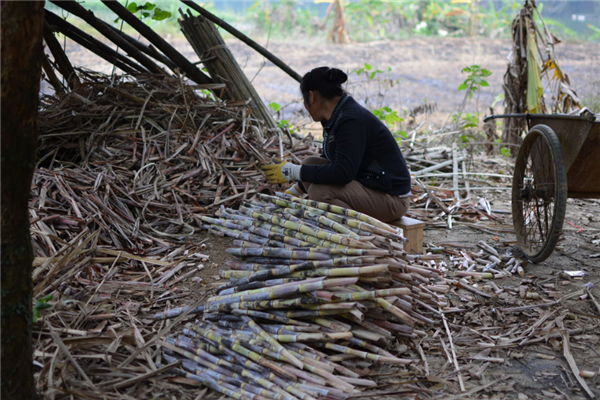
(316, 286)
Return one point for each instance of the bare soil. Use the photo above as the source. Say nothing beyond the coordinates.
(429, 72)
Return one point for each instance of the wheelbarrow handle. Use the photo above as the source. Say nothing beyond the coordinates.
(496, 116)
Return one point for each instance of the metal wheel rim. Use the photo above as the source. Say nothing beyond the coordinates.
(536, 196)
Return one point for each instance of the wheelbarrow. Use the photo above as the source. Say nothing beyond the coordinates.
(559, 158)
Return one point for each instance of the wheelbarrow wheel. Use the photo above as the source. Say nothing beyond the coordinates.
(539, 193)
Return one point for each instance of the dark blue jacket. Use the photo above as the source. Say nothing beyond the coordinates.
(360, 147)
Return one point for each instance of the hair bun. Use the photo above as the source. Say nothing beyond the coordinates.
(337, 76)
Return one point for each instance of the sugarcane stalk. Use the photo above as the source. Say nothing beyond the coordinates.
(352, 271)
(175, 312)
(309, 313)
(332, 324)
(386, 230)
(398, 313)
(262, 305)
(277, 253)
(234, 380)
(318, 233)
(246, 266)
(245, 372)
(370, 295)
(270, 317)
(368, 335)
(403, 330)
(323, 220)
(337, 210)
(364, 354)
(241, 235)
(291, 233)
(290, 328)
(278, 347)
(283, 290)
(282, 271)
(243, 243)
(235, 346)
(257, 285)
(212, 385)
(202, 360)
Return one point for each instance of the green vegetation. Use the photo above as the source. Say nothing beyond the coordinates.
(475, 79)
(42, 304)
(365, 20)
(147, 10)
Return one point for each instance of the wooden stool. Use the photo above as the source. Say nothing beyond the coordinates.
(413, 231)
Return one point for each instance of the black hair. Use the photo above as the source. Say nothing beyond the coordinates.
(327, 81)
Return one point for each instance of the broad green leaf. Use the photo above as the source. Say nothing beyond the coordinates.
(160, 15)
(132, 7)
(275, 107)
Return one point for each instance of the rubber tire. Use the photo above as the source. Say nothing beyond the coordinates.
(554, 150)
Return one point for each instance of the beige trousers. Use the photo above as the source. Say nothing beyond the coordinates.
(354, 195)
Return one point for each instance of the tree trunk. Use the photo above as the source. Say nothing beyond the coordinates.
(21, 35)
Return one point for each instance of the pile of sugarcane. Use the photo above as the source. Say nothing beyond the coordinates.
(316, 286)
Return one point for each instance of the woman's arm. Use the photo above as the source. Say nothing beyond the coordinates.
(350, 144)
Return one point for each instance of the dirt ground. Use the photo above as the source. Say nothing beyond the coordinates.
(429, 72)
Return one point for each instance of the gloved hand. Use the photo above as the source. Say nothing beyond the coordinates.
(282, 172)
(294, 191)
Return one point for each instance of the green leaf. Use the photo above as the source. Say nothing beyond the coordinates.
(463, 86)
(160, 15)
(35, 315)
(483, 83)
(42, 306)
(149, 6)
(368, 67)
(132, 7)
(46, 298)
(505, 151)
(275, 107)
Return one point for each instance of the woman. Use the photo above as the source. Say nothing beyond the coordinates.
(361, 167)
